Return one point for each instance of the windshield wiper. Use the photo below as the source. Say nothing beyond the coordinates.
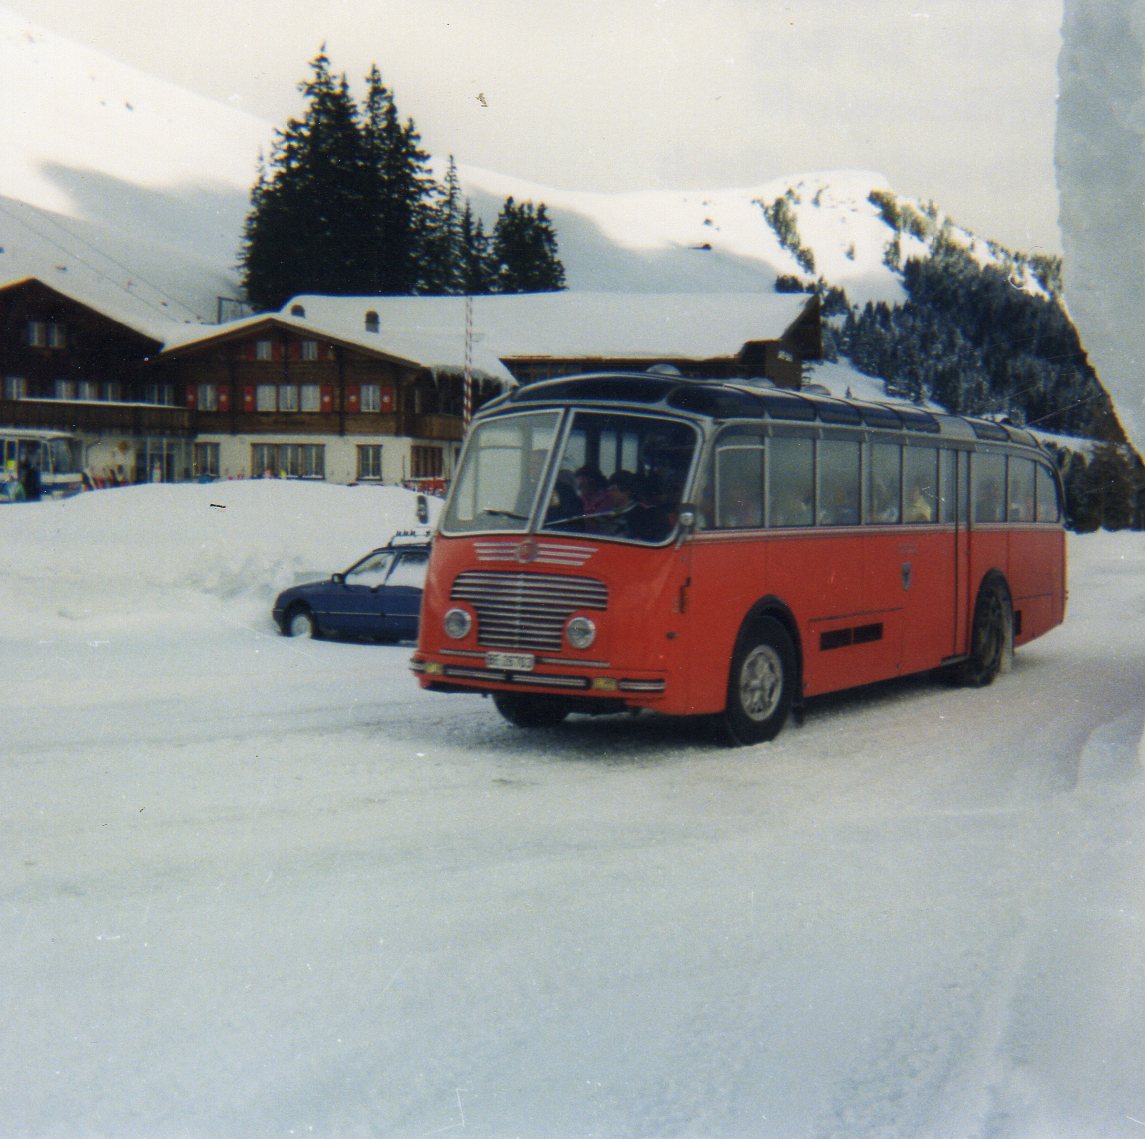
(506, 514)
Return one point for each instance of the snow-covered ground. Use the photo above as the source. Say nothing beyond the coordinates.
(257, 886)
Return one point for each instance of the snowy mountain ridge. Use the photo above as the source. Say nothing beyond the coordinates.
(131, 192)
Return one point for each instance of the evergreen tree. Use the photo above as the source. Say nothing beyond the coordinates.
(478, 273)
(346, 205)
(302, 233)
(400, 190)
(525, 250)
(446, 239)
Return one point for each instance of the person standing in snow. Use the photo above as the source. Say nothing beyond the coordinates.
(31, 481)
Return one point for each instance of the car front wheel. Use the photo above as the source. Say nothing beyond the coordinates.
(300, 623)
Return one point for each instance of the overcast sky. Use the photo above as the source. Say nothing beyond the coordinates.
(952, 100)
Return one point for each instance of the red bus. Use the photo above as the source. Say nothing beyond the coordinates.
(751, 547)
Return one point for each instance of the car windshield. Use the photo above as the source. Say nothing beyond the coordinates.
(410, 568)
(615, 475)
(372, 569)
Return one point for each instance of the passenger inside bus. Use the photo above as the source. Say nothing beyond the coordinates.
(630, 514)
(920, 507)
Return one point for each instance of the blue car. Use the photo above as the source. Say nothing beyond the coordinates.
(378, 598)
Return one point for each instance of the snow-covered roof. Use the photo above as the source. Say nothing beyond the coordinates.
(120, 307)
(431, 331)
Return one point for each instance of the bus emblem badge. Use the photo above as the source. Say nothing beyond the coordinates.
(906, 575)
(527, 551)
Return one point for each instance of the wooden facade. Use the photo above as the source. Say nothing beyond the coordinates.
(274, 394)
(781, 359)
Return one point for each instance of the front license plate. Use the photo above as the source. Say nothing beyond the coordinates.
(511, 662)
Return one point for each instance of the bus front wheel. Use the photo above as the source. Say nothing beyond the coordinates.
(991, 636)
(761, 683)
(529, 711)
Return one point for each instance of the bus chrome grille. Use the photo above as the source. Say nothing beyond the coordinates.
(526, 610)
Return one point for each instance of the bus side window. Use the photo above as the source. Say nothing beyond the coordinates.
(947, 494)
(1021, 497)
(739, 483)
(1048, 507)
(989, 478)
(885, 490)
(791, 481)
(838, 482)
(920, 480)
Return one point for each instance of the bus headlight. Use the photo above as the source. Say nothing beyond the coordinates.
(457, 624)
(580, 632)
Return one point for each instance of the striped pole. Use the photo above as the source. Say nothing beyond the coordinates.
(467, 396)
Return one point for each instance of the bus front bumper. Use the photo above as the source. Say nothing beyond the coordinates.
(644, 689)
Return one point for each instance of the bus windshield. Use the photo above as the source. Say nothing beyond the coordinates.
(609, 474)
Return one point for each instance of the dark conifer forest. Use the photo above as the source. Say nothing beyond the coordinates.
(347, 205)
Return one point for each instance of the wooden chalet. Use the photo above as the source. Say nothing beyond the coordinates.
(351, 389)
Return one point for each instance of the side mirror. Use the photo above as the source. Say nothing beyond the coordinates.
(686, 517)
(422, 510)
(338, 578)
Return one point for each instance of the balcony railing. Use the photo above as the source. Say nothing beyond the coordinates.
(96, 416)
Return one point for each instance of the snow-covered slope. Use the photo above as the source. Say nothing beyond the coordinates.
(718, 241)
(152, 182)
(116, 186)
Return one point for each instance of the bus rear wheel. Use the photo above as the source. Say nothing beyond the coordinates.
(991, 636)
(528, 711)
(761, 684)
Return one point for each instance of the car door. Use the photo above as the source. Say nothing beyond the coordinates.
(356, 605)
(401, 594)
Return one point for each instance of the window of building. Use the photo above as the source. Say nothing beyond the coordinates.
(370, 461)
(264, 460)
(263, 350)
(310, 350)
(113, 391)
(313, 461)
(265, 398)
(371, 397)
(159, 393)
(309, 397)
(372, 322)
(427, 462)
(288, 460)
(288, 397)
(206, 460)
(87, 389)
(208, 397)
(64, 389)
(297, 310)
(46, 334)
(15, 387)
